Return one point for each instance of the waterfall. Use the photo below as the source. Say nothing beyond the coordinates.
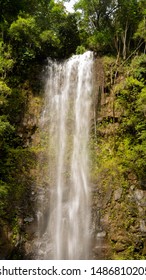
(64, 213)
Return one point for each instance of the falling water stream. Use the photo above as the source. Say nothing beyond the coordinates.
(66, 121)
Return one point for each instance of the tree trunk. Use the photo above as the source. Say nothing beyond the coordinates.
(124, 40)
(117, 46)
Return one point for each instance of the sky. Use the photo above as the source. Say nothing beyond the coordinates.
(69, 6)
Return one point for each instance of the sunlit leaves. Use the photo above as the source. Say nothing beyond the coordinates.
(141, 31)
(6, 61)
(131, 99)
(5, 91)
(24, 29)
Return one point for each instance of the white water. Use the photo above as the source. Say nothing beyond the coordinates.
(65, 120)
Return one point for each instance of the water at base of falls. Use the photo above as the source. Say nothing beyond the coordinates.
(64, 212)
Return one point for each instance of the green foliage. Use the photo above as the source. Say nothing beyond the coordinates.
(5, 126)
(16, 180)
(106, 31)
(141, 102)
(5, 91)
(138, 67)
(35, 37)
(22, 29)
(101, 41)
(80, 50)
(125, 29)
(131, 99)
(4, 189)
(24, 37)
(69, 36)
(141, 31)
(6, 62)
(118, 155)
(9, 9)
(95, 19)
(49, 37)
(110, 68)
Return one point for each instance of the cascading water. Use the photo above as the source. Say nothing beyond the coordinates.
(66, 120)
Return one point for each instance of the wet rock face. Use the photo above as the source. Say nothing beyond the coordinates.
(118, 220)
(118, 194)
(5, 244)
(99, 224)
(119, 224)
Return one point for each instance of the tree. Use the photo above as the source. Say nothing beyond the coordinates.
(141, 30)
(128, 10)
(109, 24)
(6, 61)
(96, 20)
(24, 34)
